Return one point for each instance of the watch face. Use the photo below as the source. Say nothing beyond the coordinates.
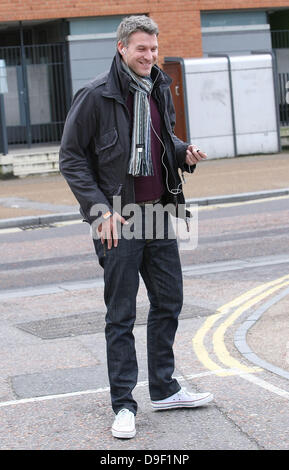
(107, 215)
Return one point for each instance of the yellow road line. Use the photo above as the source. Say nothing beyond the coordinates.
(198, 340)
(219, 335)
(221, 205)
(67, 222)
(10, 230)
(52, 225)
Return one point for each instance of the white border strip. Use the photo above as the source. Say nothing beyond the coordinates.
(235, 29)
(90, 37)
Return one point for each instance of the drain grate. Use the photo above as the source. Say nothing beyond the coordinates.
(93, 322)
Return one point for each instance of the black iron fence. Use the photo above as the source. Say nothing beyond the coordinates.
(280, 38)
(283, 89)
(280, 41)
(39, 92)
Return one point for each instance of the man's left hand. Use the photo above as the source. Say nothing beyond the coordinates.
(194, 155)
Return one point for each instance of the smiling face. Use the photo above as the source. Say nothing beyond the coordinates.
(141, 53)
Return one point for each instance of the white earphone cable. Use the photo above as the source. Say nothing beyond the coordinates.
(174, 191)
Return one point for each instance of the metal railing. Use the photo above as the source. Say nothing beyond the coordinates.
(39, 92)
(280, 40)
(283, 88)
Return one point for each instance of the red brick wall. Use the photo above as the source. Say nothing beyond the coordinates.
(179, 20)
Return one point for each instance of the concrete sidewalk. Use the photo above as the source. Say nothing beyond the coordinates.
(248, 177)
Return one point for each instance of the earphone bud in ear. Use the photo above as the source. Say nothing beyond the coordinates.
(123, 51)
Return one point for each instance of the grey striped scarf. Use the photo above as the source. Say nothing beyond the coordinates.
(140, 163)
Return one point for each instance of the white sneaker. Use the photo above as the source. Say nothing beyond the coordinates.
(183, 399)
(124, 424)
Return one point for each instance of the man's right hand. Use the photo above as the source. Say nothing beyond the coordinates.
(108, 229)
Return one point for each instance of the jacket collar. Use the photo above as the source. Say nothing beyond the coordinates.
(118, 81)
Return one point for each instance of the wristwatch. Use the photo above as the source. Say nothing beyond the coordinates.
(107, 215)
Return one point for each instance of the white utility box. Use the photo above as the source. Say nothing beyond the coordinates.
(230, 104)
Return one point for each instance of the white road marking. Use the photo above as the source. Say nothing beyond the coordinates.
(266, 385)
(144, 383)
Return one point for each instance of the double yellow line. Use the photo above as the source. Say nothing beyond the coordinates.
(241, 303)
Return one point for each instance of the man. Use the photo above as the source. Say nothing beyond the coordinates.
(118, 141)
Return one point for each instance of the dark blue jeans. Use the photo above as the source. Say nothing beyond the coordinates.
(158, 262)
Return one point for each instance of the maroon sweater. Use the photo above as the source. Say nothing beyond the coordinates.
(148, 188)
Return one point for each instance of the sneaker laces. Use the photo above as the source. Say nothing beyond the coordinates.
(183, 392)
(123, 413)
